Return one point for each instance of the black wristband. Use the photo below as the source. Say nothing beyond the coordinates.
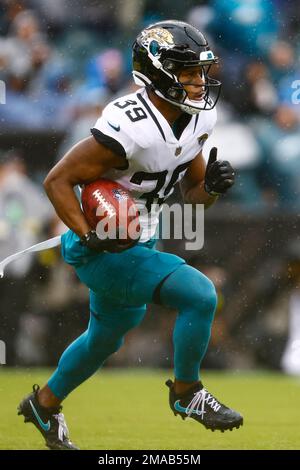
(93, 242)
(85, 239)
(209, 191)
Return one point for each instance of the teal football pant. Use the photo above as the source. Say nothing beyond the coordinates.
(121, 284)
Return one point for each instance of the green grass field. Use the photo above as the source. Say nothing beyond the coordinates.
(129, 409)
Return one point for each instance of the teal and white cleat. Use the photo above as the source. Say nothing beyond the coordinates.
(49, 421)
(199, 404)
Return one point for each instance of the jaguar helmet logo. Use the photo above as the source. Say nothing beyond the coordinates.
(156, 38)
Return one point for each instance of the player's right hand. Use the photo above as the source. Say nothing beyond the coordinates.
(93, 242)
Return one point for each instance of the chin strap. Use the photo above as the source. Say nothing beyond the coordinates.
(45, 245)
(189, 109)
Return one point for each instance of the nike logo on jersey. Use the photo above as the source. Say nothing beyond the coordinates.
(116, 128)
(44, 426)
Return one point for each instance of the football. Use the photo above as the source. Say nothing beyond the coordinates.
(110, 210)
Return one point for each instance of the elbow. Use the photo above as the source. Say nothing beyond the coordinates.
(55, 183)
(50, 183)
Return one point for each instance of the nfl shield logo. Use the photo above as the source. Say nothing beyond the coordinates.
(119, 194)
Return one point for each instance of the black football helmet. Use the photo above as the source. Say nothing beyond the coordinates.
(161, 51)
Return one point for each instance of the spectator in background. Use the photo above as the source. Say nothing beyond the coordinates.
(107, 71)
(86, 111)
(284, 67)
(156, 10)
(38, 80)
(280, 143)
(288, 13)
(244, 30)
(9, 9)
(247, 27)
(282, 60)
(24, 211)
(256, 94)
(25, 50)
(94, 14)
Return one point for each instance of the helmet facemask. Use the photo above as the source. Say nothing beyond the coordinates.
(160, 62)
(178, 95)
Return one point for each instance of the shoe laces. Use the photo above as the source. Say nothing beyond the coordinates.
(63, 430)
(197, 404)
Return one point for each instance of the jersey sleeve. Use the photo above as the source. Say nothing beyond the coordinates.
(112, 130)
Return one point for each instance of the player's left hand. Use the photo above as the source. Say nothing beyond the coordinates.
(219, 175)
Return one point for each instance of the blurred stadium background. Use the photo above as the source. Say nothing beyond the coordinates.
(61, 62)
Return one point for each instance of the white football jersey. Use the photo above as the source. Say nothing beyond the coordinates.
(154, 159)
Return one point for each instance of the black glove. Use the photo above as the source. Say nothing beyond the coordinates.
(219, 175)
(93, 242)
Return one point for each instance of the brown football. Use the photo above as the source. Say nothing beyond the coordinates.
(110, 210)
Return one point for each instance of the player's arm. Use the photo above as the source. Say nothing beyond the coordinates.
(87, 161)
(202, 184)
(192, 184)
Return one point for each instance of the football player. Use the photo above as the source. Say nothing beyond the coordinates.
(147, 141)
